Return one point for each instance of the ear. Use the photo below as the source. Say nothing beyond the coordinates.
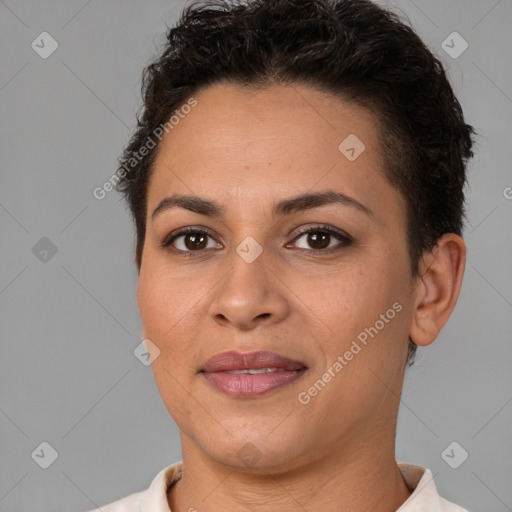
(439, 283)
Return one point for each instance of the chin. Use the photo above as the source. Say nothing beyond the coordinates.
(253, 448)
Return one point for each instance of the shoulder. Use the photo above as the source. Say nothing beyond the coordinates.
(153, 499)
(424, 497)
(448, 506)
(131, 503)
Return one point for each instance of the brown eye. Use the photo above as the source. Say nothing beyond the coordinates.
(320, 238)
(189, 240)
(195, 241)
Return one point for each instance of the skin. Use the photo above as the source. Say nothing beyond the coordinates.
(247, 150)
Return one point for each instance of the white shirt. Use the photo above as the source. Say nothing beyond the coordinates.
(154, 499)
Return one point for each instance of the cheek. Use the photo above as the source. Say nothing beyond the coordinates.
(367, 328)
(365, 311)
(163, 297)
(167, 304)
(352, 299)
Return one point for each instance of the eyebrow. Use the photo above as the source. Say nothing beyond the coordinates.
(284, 207)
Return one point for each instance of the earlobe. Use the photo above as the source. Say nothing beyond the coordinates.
(439, 283)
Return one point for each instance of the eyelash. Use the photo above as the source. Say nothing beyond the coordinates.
(343, 237)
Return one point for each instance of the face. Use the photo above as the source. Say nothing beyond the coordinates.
(335, 302)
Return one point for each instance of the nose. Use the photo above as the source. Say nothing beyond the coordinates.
(250, 294)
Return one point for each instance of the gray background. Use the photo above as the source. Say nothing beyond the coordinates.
(69, 325)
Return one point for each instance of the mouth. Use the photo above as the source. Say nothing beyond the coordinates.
(251, 374)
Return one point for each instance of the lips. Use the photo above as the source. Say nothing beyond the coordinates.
(249, 374)
(233, 360)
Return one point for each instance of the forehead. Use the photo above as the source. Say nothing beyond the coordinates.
(229, 114)
(238, 142)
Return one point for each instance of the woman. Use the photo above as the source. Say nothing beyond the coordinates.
(296, 181)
